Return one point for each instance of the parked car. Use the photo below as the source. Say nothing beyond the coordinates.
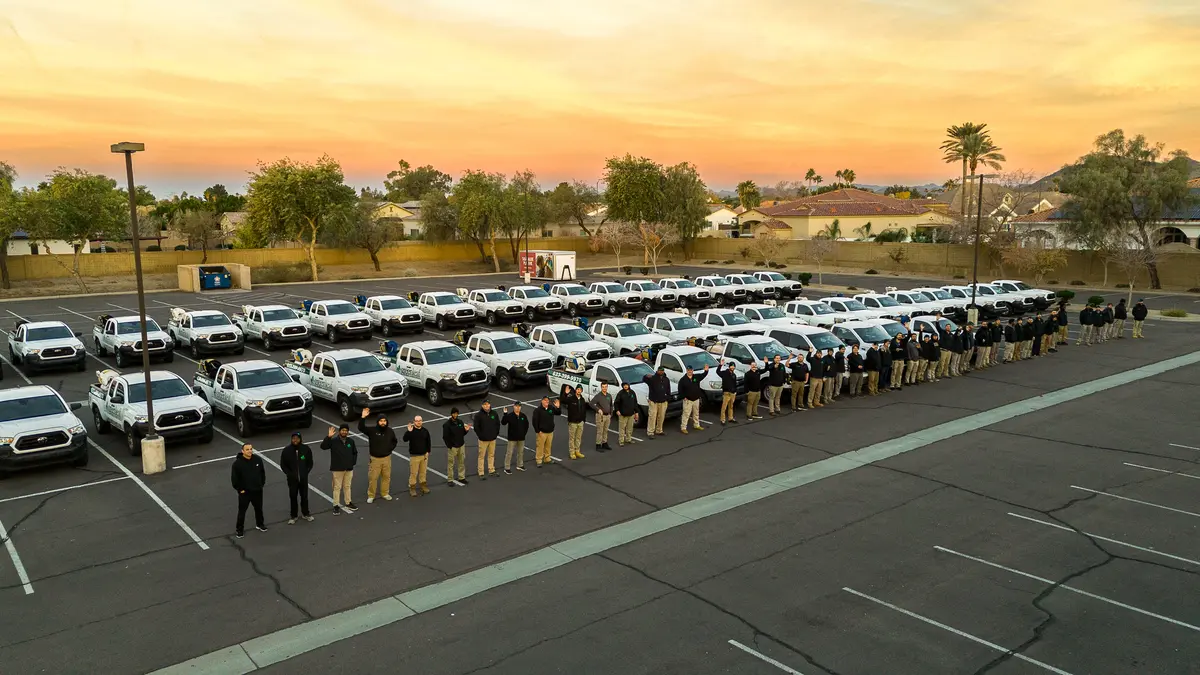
(254, 393)
(43, 345)
(441, 369)
(273, 325)
(626, 336)
(335, 319)
(38, 427)
(119, 402)
(509, 358)
(121, 336)
(679, 326)
(205, 331)
(352, 379)
(391, 314)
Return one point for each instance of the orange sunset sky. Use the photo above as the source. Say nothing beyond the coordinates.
(758, 89)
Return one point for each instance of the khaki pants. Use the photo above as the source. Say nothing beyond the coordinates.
(624, 429)
(912, 372)
(456, 456)
(897, 373)
(341, 484)
(998, 352)
(1137, 329)
(417, 466)
(1010, 350)
(658, 414)
(798, 394)
(1119, 328)
(1085, 334)
(379, 471)
(752, 403)
(856, 383)
(691, 413)
(487, 450)
(943, 367)
(727, 401)
(574, 438)
(542, 449)
(872, 382)
(602, 424)
(517, 449)
(814, 393)
(775, 399)
(955, 364)
(931, 371)
(828, 389)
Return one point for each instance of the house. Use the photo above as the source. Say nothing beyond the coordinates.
(1002, 203)
(720, 218)
(20, 244)
(1180, 226)
(231, 221)
(850, 207)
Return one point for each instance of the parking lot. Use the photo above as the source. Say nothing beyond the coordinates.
(1055, 540)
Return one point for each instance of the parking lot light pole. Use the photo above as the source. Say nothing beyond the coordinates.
(973, 310)
(154, 458)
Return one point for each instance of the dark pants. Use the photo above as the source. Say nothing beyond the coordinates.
(885, 377)
(298, 490)
(245, 499)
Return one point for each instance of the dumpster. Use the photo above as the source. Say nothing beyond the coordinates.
(213, 277)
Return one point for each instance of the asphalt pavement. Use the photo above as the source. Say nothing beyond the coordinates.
(1061, 538)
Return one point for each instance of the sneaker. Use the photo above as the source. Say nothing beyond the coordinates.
(370, 500)
(508, 472)
(308, 518)
(579, 455)
(606, 446)
(239, 535)
(351, 508)
(291, 521)
(521, 468)
(682, 431)
(733, 420)
(337, 510)
(261, 528)
(387, 498)
(493, 474)
(451, 483)
(482, 476)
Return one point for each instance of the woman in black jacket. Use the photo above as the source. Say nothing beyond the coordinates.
(296, 463)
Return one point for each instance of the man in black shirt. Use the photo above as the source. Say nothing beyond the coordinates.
(777, 375)
(816, 381)
(753, 391)
(839, 371)
(871, 361)
(1140, 312)
(419, 444)
(899, 362)
(454, 437)
(829, 384)
(690, 391)
(296, 462)
(625, 407)
(659, 395)
(935, 358)
(516, 426)
(343, 455)
(487, 430)
(1010, 341)
(1107, 327)
(914, 370)
(1120, 315)
(249, 476)
(381, 441)
(885, 365)
(854, 363)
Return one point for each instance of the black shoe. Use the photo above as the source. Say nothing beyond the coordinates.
(606, 446)
(521, 468)
(508, 472)
(483, 476)
(601, 448)
(239, 535)
(451, 483)
(722, 421)
(350, 507)
(261, 528)
(337, 510)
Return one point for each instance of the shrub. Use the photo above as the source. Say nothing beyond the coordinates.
(759, 263)
(960, 276)
(1077, 283)
(804, 277)
(1122, 285)
(1096, 300)
(1064, 293)
(153, 247)
(745, 251)
(181, 247)
(780, 266)
(1173, 312)
(670, 262)
(410, 272)
(275, 274)
(1053, 281)
(871, 272)
(787, 275)
(644, 270)
(727, 262)
(1193, 290)
(710, 262)
(852, 288)
(627, 269)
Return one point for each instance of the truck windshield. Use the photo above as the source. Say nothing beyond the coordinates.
(872, 334)
(736, 319)
(536, 293)
(767, 351)
(824, 340)
(698, 359)
(131, 327)
(893, 328)
(772, 313)
(774, 276)
(984, 290)
(576, 290)
(610, 288)
(206, 320)
(684, 283)
(278, 315)
(633, 373)
(357, 365)
(570, 336)
(718, 281)
(496, 296)
(936, 295)
(445, 354)
(448, 300)
(853, 305)
(507, 345)
(684, 323)
(265, 377)
(394, 303)
(820, 308)
(336, 308)
(48, 333)
(162, 389)
(28, 408)
(885, 301)
(631, 329)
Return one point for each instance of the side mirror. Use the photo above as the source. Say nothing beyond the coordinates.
(295, 378)
(76, 406)
(78, 334)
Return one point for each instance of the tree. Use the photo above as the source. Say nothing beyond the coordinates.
(574, 202)
(11, 203)
(838, 176)
(953, 149)
(408, 184)
(848, 177)
(362, 227)
(786, 189)
(811, 178)
(528, 210)
(1124, 185)
(864, 232)
(1133, 259)
(220, 201)
(439, 217)
(819, 248)
(143, 196)
(479, 197)
(1039, 261)
(616, 236)
(202, 227)
(655, 237)
(979, 149)
(295, 201)
(633, 189)
(768, 247)
(75, 206)
(748, 194)
(894, 234)
(832, 231)
(684, 205)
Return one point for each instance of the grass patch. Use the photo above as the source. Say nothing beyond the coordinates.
(1174, 313)
(278, 274)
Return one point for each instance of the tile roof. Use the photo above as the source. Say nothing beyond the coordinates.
(776, 224)
(1190, 212)
(1194, 183)
(845, 202)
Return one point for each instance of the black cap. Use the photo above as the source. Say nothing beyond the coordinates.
(344, 426)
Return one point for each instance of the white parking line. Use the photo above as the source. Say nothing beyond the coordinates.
(1111, 541)
(16, 561)
(266, 459)
(1173, 473)
(764, 658)
(1065, 587)
(174, 516)
(1136, 501)
(167, 304)
(957, 632)
(63, 489)
(1186, 447)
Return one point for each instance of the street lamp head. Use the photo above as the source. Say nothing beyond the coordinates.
(127, 146)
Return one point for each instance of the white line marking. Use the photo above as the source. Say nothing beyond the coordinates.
(957, 632)
(1101, 538)
(764, 658)
(16, 561)
(63, 489)
(1176, 445)
(224, 459)
(1173, 473)
(174, 516)
(266, 459)
(16, 370)
(1065, 587)
(1137, 501)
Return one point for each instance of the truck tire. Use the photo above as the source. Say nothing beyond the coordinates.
(120, 359)
(170, 358)
(102, 427)
(572, 311)
(82, 365)
(332, 334)
(504, 380)
(385, 327)
(307, 343)
(647, 305)
(12, 357)
(245, 427)
(530, 314)
(345, 408)
(206, 436)
(79, 462)
(491, 319)
(306, 421)
(440, 322)
(612, 308)
(133, 441)
(99, 348)
(433, 392)
(240, 350)
(266, 340)
(195, 349)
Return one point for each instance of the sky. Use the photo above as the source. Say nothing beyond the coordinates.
(759, 89)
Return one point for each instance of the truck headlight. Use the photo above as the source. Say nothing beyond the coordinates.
(275, 329)
(140, 419)
(359, 390)
(76, 430)
(305, 395)
(578, 353)
(205, 409)
(519, 364)
(711, 384)
(255, 404)
(7, 440)
(35, 351)
(447, 376)
(340, 324)
(127, 343)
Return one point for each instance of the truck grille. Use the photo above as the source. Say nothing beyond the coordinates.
(155, 345)
(465, 313)
(513, 309)
(668, 297)
(222, 337)
(58, 352)
(633, 300)
(285, 403)
(738, 291)
(703, 295)
(597, 354)
(358, 323)
(32, 442)
(553, 305)
(295, 330)
(595, 302)
(410, 318)
(385, 390)
(177, 419)
(472, 376)
(539, 364)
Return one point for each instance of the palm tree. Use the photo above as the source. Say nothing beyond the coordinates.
(979, 149)
(811, 177)
(848, 175)
(748, 194)
(864, 232)
(953, 148)
(950, 184)
(838, 175)
(832, 231)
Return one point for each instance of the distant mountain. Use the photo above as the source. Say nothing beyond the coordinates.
(1047, 183)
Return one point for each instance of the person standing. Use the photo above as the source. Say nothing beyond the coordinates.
(777, 375)
(419, 444)
(1120, 314)
(885, 366)
(816, 382)
(626, 407)
(249, 477)
(871, 361)
(913, 369)
(454, 436)
(854, 363)
(1064, 323)
(729, 391)
(1000, 342)
(691, 393)
(516, 426)
(753, 391)
(829, 382)
(296, 462)
(1010, 341)
(839, 372)
(935, 358)
(576, 416)
(969, 348)
(1036, 331)
(899, 362)
(381, 441)
(602, 403)
(1139, 317)
(543, 427)
(1109, 317)
(343, 455)
(945, 350)
(983, 344)
(660, 393)
(1085, 326)
(487, 430)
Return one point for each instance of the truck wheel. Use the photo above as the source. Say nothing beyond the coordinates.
(332, 334)
(612, 308)
(12, 357)
(434, 393)
(530, 314)
(82, 460)
(344, 407)
(244, 426)
(491, 319)
(386, 328)
(440, 322)
(195, 349)
(504, 380)
(120, 359)
(572, 311)
(102, 427)
(170, 358)
(306, 421)
(82, 365)
(240, 350)
(307, 343)
(267, 344)
(206, 436)
(133, 442)
(99, 349)
(647, 305)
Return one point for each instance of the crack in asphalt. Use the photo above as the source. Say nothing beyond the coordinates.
(267, 575)
(16, 525)
(789, 441)
(426, 566)
(1092, 446)
(103, 563)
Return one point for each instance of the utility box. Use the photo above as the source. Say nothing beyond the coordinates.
(196, 278)
(548, 265)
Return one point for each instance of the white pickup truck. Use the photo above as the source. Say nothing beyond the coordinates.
(205, 331)
(617, 298)
(255, 393)
(729, 322)
(391, 314)
(565, 341)
(941, 298)
(273, 326)
(351, 378)
(615, 371)
(441, 369)
(756, 289)
(862, 333)
(916, 303)
(768, 314)
(1035, 298)
(853, 308)
(888, 307)
(784, 286)
(538, 303)
(495, 306)
(119, 402)
(626, 337)
(801, 338)
(724, 293)
(814, 313)
(509, 358)
(742, 350)
(578, 300)
(46, 344)
(121, 336)
(335, 319)
(689, 294)
(653, 296)
(679, 326)
(37, 427)
(444, 309)
(676, 359)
